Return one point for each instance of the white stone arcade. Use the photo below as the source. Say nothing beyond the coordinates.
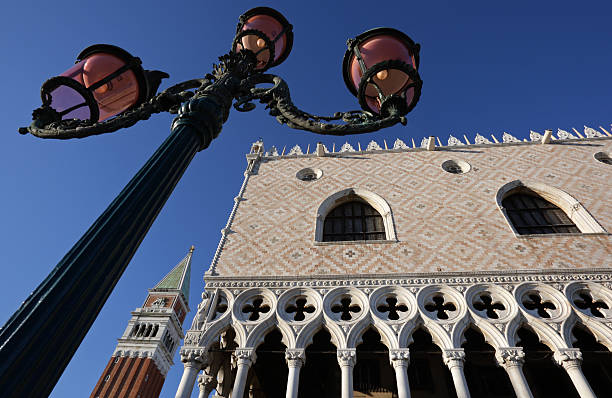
(550, 306)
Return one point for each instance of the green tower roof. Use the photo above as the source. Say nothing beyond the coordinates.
(179, 278)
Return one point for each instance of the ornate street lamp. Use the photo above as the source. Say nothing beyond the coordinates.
(107, 90)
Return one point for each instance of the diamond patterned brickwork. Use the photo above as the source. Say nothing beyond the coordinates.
(444, 222)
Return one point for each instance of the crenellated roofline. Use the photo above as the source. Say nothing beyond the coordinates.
(433, 143)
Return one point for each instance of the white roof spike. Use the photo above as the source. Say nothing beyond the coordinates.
(424, 142)
(347, 148)
(481, 140)
(535, 136)
(399, 144)
(592, 133)
(373, 146)
(454, 141)
(509, 138)
(564, 135)
(296, 150)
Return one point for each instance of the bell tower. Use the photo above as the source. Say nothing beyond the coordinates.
(139, 364)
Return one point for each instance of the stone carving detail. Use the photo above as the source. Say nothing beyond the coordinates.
(479, 140)
(509, 138)
(564, 135)
(424, 142)
(295, 357)
(590, 132)
(373, 146)
(347, 356)
(244, 355)
(399, 354)
(535, 136)
(454, 141)
(296, 150)
(399, 144)
(272, 151)
(510, 356)
(453, 357)
(347, 148)
(193, 355)
(568, 357)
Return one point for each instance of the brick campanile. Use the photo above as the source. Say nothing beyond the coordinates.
(139, 364)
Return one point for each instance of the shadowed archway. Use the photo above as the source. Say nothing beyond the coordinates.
(485, 379)
(320, 375)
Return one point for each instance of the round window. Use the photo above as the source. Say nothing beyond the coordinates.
(309, 174)
(603, 157)
(456, 166)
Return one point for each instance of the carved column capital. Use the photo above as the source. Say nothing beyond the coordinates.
(453, 357)
(568, 357)
(244, 356)
(194, 357)
(347, 357)
(207, 382)
(510, 356)
(399, 357)
(295, 357)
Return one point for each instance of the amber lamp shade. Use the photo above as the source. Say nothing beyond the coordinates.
(265, 32)
(382, 63)
(105, 81)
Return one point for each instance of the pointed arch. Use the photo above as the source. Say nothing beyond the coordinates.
(492, 335)
(346, 195)
(574, 210)
(304, 338)
(596, 328)
(257, 335)
(545, 333)
(386, 333)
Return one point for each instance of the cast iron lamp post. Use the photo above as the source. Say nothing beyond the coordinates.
(106, 90)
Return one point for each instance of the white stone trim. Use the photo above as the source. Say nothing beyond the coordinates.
(373, 199)
(570, 205)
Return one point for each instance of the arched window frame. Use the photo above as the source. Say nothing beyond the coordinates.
(574, 210)
(376, 201)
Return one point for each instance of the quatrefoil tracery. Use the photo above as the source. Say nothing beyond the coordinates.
(440, 307)
(392, 307)
(535, 302)
(586, 302)
(300, 308)
(345, 308)
(485, 303)
(255, 308)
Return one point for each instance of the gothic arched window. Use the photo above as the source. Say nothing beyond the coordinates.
(529, 213)
(354, 220)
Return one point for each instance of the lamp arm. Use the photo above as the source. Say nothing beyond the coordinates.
(278, 100)
(168, 100)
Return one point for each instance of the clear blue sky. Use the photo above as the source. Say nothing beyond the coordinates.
(487, 67)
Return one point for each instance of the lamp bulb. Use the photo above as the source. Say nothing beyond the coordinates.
(102, 89)
(382, 75)
(261, 43)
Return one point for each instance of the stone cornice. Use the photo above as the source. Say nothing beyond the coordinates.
(365, 280)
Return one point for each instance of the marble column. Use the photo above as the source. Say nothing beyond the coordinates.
(295, 359)
(400, 359)
(570, 359)
(206, 383)
(512, 359)
(453, 359)
(193, 361)
(346, 359)
(244, 357)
